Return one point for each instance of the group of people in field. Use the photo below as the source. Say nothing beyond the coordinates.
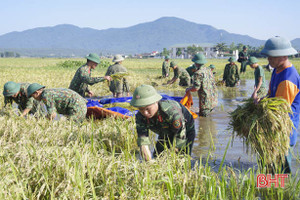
(172, 121)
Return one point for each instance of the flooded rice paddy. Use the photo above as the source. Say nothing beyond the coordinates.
(213, 135)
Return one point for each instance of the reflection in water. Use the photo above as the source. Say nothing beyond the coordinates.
(212, 130)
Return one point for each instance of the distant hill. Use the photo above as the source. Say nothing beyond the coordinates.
(145, 37)
(296, 43)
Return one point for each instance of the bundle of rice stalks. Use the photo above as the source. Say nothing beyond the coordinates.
(265, 127)
(220, 83)
(122, 105)
(118, 76)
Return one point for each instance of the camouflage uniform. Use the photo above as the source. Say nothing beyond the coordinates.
(259, 72)
(82, 79)
(243, 60)
(173, 123)
(23, 101)
(165, 68)
(231, 75)
(115, 85)
(183, 76)
(191, 70)
(204, 82)
(66, 102)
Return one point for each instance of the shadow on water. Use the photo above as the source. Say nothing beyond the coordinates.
(213, 134)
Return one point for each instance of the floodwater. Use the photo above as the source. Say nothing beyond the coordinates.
(213, 136)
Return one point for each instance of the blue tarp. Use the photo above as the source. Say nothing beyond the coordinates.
(124, 111)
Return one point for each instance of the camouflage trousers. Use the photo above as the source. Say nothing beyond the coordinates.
(207, 104)
(77, 113)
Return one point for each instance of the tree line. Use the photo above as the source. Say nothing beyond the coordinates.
(10, 54)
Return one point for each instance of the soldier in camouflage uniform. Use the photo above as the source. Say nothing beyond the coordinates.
(165, 67)
(17, 92)
(199, 60)
(243, 57)
(82, 77)
(204, 84)
(118, 87)
(231, 75)
(260, 88)
(60, 101)
(173, 123)
(180, 73)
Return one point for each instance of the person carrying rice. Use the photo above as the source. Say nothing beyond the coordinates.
(118, 87)
(284, 83)
(260, 88)
(173, 123)
(199, 60)
(82, 77)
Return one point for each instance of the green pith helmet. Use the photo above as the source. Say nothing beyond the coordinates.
(212, 66)
(144, 95)
(93, 57)
(167, 57)
(118, 58)
(252, 60)
(11, 88)
(32, 88)
(231, 59)
(173, 64)
(244, 47)
(278, 46)
(199, 59)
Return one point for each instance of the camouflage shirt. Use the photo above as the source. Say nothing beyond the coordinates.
(62, 101)
(204, 82)
(115, 85)
(183, 75)
(243, 56)
(82, 79)
(231, 75)
(191, 70)
(172, 121)
(22, 100)
(165, 68)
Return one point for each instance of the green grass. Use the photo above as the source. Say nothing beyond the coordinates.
(40, 159)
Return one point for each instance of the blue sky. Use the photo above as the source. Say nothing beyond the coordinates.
(260, 19)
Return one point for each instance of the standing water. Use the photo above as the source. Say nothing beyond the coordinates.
(213, 135)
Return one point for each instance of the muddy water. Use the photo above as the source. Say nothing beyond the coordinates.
(213, 134)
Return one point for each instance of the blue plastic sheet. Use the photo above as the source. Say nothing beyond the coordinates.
(124, 111)
(92, 103)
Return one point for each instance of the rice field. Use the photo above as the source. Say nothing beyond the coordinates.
(99, 159)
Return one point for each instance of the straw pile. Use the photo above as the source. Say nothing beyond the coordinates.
(265, 127)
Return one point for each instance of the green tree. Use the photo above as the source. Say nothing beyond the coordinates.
(18, 55)
(221, 47)
(239, 46)
(179, 52)
(8, 54)
(192, 50)
(165, 52)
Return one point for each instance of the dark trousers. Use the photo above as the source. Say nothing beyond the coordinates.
(187, 149)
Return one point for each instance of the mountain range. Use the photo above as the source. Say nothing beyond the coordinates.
(66, 39)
